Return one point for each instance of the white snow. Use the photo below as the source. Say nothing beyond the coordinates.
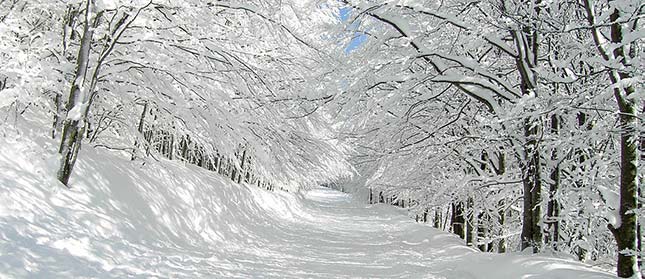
(75, 113)
(122, 219)
(106, 5)
(493, 39)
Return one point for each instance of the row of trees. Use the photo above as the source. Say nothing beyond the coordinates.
(494, 115)
(482, 116)
(230, 86)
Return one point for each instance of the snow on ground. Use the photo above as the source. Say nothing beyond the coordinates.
(125, 219)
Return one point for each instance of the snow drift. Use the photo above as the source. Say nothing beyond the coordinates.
(123, 218)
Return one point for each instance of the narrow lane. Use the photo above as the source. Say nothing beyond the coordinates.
(333, 236)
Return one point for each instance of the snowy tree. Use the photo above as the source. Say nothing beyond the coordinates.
(188, 83)
(622, 67)
(535, 80)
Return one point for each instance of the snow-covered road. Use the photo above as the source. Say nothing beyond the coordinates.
(338, 237)
(124, 219)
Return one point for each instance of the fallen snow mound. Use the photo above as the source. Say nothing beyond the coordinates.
(125, 219)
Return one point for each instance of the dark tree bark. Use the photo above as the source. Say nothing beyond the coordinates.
(501, 245)
(425, 215)
(458, 221)
(625, 231)
(531, 230)
(242, 166)
(482, 232)
(526, 42)
(553, 208)
(470, 222)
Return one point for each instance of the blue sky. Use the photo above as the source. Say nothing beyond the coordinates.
(345, 15)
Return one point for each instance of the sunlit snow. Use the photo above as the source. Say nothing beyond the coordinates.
(158, 220)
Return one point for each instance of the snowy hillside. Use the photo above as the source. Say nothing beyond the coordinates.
(125, 219)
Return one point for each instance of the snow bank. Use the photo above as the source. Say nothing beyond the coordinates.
(123, 218)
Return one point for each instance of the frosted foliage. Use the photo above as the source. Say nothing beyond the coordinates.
(437, 105)
(503, 122)
(228, 75)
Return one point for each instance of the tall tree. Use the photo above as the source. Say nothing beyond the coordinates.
(620, 54)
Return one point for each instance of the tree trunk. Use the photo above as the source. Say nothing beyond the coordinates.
(531, 230)
(553, 208)
(58, 104)
(218, 167)
(140, 129)
(639, 228)
(482, 233)
(470, 222)
(171, 147)
(501, 245)
(437, 218)
(457, 221)
(242, 166)
(77, 106)
(425, 215)
(527, 45)
(625, 230)
(500, 169)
